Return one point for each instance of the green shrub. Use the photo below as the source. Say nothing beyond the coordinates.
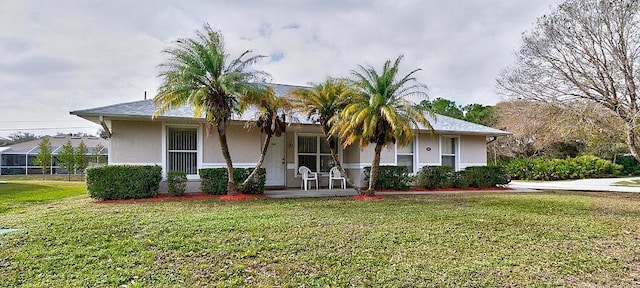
(177, 182)
(389, 177)
(460, 180)
(123, 181)
(254, 187)
(485, 176)
(542, 168)
(434, 177)
(214, 180)
(630, 165)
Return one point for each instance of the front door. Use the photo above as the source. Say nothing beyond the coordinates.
(274, 162)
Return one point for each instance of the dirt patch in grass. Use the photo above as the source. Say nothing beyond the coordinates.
(195, 196)
(367, 197)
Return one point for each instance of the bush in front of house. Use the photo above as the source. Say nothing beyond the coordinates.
(438, 177)
(434, 177)
(542, 168)
(123, 181)
(389, 177)
(485, 176)
(177, 182)
(214, 180)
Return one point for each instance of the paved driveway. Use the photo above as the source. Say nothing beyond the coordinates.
(605, 185)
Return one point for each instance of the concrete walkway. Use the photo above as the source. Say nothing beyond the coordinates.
(601, 185)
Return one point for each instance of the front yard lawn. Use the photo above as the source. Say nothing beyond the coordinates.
(630, 183)
(19, 194)
(472, 240)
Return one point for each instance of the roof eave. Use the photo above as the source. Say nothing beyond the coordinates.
(473, 133)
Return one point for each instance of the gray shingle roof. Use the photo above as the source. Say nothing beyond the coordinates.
(31, 147)
(146, 108)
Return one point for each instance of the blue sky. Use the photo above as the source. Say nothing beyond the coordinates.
(58, 56)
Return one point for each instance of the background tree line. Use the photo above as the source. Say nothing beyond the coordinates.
(542, 128)
(71, 159)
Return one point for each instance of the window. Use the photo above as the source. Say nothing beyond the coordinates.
(182, 150)
(405, 156)
(449, 152)
(314, 153)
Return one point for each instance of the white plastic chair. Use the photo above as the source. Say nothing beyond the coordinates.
(334, 174)
(307, 176)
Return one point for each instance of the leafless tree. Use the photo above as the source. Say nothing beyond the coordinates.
(539, 127)
(587, 50)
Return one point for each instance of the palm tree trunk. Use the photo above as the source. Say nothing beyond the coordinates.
(253, 174)
(375, 166)
(231, 186)
(336, 161)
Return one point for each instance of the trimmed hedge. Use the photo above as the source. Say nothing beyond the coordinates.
(389, 177)
(435, 177)
(486, 176)
(177, 182)
(542, 168)
(214, 180)
(123, 181)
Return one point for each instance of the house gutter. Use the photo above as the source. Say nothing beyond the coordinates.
(104, 126)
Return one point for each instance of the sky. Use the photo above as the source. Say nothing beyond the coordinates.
(60, 56)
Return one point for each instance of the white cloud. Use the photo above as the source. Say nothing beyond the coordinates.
(57, 56)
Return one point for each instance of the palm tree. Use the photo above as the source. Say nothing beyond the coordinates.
(321, 104)
(268, 105)
(379, 112)
(200, 73)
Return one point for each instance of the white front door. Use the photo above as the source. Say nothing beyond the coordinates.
(274, 162)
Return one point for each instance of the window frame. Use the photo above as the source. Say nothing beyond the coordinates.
(165, 147)
(412, 154)
(456, 152)
(318, 154)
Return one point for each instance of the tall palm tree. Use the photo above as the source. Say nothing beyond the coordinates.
(380, 113)
(271, 120)
(200, 73)
(321, 104)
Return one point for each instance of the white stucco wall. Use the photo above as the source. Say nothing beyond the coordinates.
(473, 151)
(136, 142)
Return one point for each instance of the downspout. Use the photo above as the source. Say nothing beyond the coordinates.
(104, 126)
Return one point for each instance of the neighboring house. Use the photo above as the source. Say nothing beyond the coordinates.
(18, 158)
(178, 141)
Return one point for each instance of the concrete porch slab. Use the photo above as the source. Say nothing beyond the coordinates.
(311, 193)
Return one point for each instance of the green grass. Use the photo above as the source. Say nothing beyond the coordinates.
(18, 194)
(465, 240)
(630, 183)
(39, 177)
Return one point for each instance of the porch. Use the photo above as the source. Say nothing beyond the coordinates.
(311, 193)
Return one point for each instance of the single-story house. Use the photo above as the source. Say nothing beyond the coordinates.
(18, 158)
(178, 141)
